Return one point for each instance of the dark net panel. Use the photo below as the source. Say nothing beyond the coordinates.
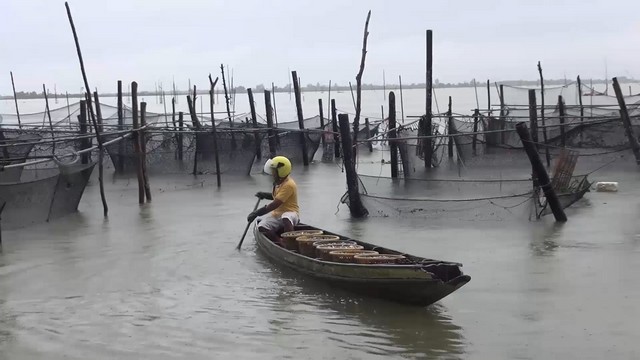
(236, 152)
(70, 186)
(288, 145)
(27, 202)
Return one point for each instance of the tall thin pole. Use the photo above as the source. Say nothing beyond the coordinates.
(254, 121)
(384, 87)
(303, 136)
(15, 99)
(46, 100)
(542, 118)
(401, 99)
(427, 128)
(275, 110)
(329, 99)
(91, 112)
(215, 135)
(488, 97)
(68, 108)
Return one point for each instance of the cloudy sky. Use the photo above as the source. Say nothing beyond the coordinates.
(157, 40)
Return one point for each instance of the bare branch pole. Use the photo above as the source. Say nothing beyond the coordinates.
(626, 122)
(213, 128)
(275, 110)
(46, 101)
(15, 99)
(359, 76)
(100, 153)
(91, 112)
(303, 137)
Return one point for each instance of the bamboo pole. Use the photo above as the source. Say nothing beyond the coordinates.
(270, 133)
(303, 137)
(137, 141)
(15, 99)
(488, 97)
(367, 133)
(533, 123)
(180, 135)
(581, 106)
(626, 121)
(450, 130)
(476, 118)
(82, 124)
(196, 124)
(68, 107)
(93, 117)
(329, 99)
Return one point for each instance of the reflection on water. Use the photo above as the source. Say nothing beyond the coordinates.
(373, 326)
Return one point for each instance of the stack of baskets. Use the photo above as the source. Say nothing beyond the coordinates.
(315, 244)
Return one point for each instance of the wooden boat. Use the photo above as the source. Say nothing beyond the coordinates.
(419, 282)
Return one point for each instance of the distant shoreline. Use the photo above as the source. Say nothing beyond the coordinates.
(21, 95)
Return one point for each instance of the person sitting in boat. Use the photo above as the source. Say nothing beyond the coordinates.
(282, 214)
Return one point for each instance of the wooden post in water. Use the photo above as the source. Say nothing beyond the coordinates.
(401, 100)
(488, 97)
(196, 126)
(581, 107)
(533, 123)
(137, 141)
(563, 139)
(275, 109)
(143, 149)
(82, 122)
(356, 207)
(450, 130)
(271, 135)
(180, 136)
(254, 121)
(15, 99)
(626, 121)
(367, 133)
(503, 114)
(541, 172)
(393, 146)
(427, 127)
(121, 143)
(215, 136)
(226, 99)
(334, 123)
(303, 137)
(321, 113)
(542, 120)
(474, 140)
(96, 99)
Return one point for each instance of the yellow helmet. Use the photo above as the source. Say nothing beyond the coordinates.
(280, 164)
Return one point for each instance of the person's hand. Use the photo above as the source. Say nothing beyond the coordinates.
(264, 195)
(252, 216)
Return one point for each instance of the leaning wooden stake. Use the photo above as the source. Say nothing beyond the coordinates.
(356, 207)
(450, 130)
(15, 99)
(82, 125)
(303, 136)
(626, 121)
(226, 99)
(393, 146)
(541, 172)
(93, 116)
(533, 123)
(563, 140)
(196, 126)
(321, 113)
(137, 141)
(143, 150)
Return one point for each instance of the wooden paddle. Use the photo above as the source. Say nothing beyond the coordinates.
(247, 228)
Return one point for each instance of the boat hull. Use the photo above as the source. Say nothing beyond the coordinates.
(417, 284)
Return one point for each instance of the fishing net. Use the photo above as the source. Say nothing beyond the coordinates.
(43, 194)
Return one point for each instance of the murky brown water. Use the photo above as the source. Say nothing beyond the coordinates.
(163, 281)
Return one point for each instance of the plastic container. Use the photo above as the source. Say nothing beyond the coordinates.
(346, 255)
(305, 243)
(323, 251)
(289, 238)
(378, 259)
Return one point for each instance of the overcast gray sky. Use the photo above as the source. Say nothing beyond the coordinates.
(155, 40)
